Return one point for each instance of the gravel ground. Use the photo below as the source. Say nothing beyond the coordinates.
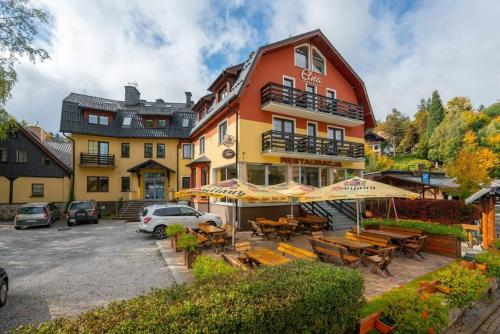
(62, 271)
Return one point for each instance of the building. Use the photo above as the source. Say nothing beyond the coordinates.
(129, 150)
(294, 110)
(33, 169)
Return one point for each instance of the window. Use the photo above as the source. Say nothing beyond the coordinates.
(288, 90)
(275, 174)
(148, 150)
(336, 134)
(162, 123)
(204, 176)
(256, 174)
(311, 129)
(222, 131)
(302, 56)
(148, 123)
(97, 184)
(36, 190)
(125, 184)
(311, 98)
(45, 161)
(98, 147)
(186, 151)
(185, 122)
(160, 150)
(21, 156)
(202, 145)
(186, 182)
(187, 212)
(125, 150)
(127, 121)
(93, 119)
(227, 173)
(222, 93)
(318, 62)
(4, 155)
(167, 212)
(283, 125)
(103, 120)
(330, 93)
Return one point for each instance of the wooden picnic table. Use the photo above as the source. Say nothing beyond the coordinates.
(271, 223)
(210, 229)
(399, 238)
(311, 220)
(356, 247)
(266, 257)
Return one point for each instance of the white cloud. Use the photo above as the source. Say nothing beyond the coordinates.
(98, 46)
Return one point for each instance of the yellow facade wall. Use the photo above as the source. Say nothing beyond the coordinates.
(121, 165)
(55, 189)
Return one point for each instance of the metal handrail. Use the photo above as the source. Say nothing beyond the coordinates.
(273, 92)
(343, 208)
(97, 159)
(317, 209)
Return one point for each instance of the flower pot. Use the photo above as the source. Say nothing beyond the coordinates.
(190, 258)
(173, 242)
(367, 324)
(384, 325)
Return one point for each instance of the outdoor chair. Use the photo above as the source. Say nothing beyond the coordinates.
(259, 230)
(413, 247)
(217, 239)
(241, 248)
(258, 219)
(381, 261)
(229, 231)
(285, 231)
(339, 254)
(317, 235)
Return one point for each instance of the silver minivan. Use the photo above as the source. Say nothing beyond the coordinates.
(36, 214)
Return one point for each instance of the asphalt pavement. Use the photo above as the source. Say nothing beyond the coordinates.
(63, 271)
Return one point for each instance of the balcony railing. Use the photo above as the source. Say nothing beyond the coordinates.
(273, 92)
(277, 141)
(98, 160)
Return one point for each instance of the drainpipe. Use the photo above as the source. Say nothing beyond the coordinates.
(73, 163)
(177, 170)
(237, 213)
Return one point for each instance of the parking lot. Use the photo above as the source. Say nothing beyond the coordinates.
(63, 271)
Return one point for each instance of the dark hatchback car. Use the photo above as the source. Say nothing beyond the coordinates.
(82, 212)
(4, 286)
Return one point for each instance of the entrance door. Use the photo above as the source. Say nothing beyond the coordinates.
(154, 186)
(284, 130)
(310, 176)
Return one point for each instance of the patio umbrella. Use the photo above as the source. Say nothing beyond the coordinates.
(292, 189)
(235, 189)
(357, 188)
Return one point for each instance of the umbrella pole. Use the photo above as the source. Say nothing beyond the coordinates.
(291, 207)
(394, 206)
(234, 221)
(357, 215)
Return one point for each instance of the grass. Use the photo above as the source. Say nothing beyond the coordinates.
(426, 227)
(409, 162)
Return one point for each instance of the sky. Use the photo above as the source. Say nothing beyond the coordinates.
(402, 50)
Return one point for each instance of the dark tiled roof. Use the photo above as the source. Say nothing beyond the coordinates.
(202, 159)
(72, 117)
(149, 164)
(60, 150)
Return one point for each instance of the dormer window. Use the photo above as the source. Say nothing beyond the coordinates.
(302, 56)
(185, 122)
(148, 123)
(162, 123)
(222, 93)
(127, 121)
(318, 62)
(103, 120)
(93, 119)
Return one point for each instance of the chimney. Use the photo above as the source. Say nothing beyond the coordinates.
(132, 94)
(188, 99)
(37, 131)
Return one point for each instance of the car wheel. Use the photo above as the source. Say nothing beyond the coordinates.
(212, 223)
(17, 227)
(69, 224)
(49, 224)
(96, 221)
(3, 293)
(159, 232)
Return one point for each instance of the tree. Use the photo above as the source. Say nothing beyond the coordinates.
(492, 111)
(420, 123)
(436, 114)
(376, 162)
(473, 166)
(394, 128)
(446, 138)
(410, 139)
(458, 104)
(19, 24)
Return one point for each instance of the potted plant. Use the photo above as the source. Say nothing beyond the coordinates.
(189, 244)
(173, 232)
(384, 324)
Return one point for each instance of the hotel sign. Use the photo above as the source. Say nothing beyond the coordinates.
(310, 78)
(313, 162)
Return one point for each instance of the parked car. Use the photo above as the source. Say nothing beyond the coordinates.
(82, 211)
(155, 218)
(36, 214)
(4, 286)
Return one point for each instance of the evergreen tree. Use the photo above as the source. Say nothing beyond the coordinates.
(420, 125)
(436, 114)
(394, 128)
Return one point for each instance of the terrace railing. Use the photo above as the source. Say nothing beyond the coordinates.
(99, 160)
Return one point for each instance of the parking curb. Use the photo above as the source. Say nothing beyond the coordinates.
(175, 262)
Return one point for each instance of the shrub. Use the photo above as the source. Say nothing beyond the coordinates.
(187, 242)
(302, 296)
(207, 267)
(496, 244)
(492, 260)
(413, 313)
(174, 229)
(428, 228)
(440, 211)
(465, 285)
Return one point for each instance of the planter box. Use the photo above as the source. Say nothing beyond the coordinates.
(367, 324)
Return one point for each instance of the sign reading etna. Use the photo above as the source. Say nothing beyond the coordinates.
(310, 78)
(313, 162)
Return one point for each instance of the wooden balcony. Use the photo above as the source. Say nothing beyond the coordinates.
(299, 103)
(97, 160)
(279, 143)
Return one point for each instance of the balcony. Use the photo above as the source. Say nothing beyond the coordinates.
(277, 143)
(97, 160)
(295, 102)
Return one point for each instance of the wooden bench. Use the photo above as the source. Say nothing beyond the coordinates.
(234, 262)
(381, 261)
(241, 248)
(297, 252)
(317, 235)
(379, 242)
(326, 250)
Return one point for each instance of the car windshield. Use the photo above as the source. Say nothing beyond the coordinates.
(31, 210)
(80, 206)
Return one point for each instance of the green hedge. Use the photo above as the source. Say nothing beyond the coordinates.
(207, 267)
(428, 228)
(492, 260)
(302, 296)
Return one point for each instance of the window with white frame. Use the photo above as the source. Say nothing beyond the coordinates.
(302, 56)
(185, 122)
(336, 134)
(127, 121)
(266, 174)
(331, 93)
(103, 120)
(222, 129)
(187, 151)
(318, 63)
(202, 145)
(93, 119)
